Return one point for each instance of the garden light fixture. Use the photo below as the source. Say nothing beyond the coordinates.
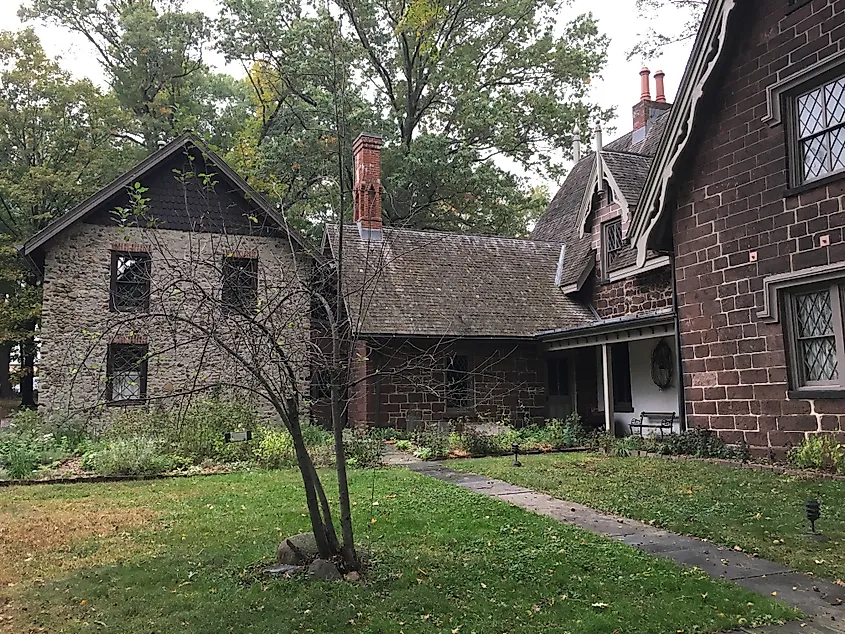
(515, 448)
(814, 512)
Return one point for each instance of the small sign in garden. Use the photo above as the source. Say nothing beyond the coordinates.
(238, 436)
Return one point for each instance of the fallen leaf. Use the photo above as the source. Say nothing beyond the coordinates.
(600, 605)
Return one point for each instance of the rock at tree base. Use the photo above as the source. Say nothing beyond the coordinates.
(322, 570)
(352, 576)
(297, 550)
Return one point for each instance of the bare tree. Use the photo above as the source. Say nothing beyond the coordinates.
(654, 41)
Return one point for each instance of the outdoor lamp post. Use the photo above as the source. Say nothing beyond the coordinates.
(515, 448)
(814, 512)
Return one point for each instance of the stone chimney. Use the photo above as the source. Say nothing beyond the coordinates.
(646, 111)
(367, 189)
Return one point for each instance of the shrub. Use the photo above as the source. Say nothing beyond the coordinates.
(362, 448)
(32, 442)
(424, 453)
(701, 443)
(474, 443)
(819, 451)
(433, 439)
(130, 456)
(197, 432)
(274, 446)
(404, 445)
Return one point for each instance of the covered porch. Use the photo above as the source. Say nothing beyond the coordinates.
(616, 371)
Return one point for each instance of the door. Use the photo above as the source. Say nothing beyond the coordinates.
(587, 387)
(560, 391)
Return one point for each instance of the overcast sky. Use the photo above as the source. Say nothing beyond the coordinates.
(619, 85)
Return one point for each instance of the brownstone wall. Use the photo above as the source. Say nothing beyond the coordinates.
(508, 380)
(734, 225)
(646, 292)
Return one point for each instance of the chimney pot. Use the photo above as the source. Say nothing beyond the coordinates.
(645, 84)
(367, 189)
(660, 89)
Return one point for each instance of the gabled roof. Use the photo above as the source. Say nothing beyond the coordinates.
(705, 57)
(119, 185)
(627, 165)
(430, 284)
(629, 172)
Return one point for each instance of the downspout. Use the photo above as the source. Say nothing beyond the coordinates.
(682, 410)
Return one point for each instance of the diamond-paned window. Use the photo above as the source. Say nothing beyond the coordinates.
(130, 281)
(611, 244)
(820, 130)
(127, 372)
(815, 334)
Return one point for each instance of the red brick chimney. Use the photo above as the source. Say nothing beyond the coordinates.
(646, 111)
(660, 96)
(367, 189)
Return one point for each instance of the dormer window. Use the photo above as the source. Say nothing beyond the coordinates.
(611, 244)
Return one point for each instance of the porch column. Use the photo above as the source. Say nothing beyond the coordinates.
(607, 383)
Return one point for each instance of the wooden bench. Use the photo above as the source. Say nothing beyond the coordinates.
(654, 420)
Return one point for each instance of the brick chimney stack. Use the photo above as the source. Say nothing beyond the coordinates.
(367, 189)
(646, 111)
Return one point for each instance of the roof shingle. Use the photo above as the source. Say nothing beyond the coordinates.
(429, 284)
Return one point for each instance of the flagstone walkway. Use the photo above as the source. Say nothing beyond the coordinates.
(821, 600)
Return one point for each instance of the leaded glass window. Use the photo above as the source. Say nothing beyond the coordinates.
(130, 281)
(816, 336)
(127, 372)
(820, 130)
(612, 243)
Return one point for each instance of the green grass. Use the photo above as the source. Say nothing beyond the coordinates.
(444, 560)
(760, 511)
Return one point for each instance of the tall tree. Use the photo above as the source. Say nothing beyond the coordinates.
(654, 41)
(57, 145)
(454, 85)
(152, 54)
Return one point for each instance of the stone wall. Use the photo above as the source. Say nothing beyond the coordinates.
(646, 292)
(77, 325)
(735, 223)
(408, 380)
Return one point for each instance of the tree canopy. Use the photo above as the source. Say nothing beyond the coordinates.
(458, 89)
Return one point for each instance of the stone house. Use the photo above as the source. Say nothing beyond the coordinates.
(747, 191)
(155, 287)
(450, 325)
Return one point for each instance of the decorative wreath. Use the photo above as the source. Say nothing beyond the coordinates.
(662, 365)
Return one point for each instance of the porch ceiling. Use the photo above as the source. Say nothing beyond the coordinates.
(628, 328)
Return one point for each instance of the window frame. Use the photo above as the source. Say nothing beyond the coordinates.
(559, 383)
(227, 291)
(605, 251)
(467, 403)
(110, 373)
(798, 384)
(114, 283)
(794, 141)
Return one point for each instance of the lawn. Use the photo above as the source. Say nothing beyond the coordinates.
(760, 511)
(179, 555)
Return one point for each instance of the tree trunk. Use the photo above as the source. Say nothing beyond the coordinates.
(309, 476)
(350, 557)
(5, 383)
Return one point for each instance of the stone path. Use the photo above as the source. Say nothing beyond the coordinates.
(822, 600)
